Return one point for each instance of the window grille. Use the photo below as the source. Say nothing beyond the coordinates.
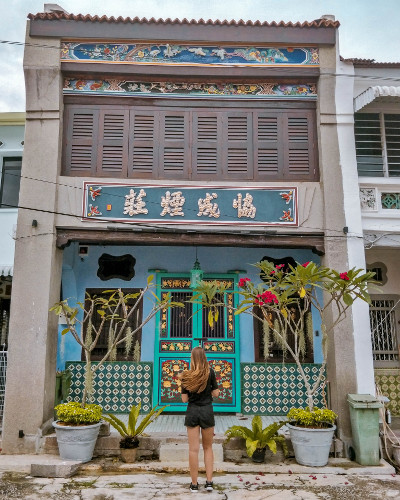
(181, 317)
(102, 344)
(377, 137)
(3, 369)
(383, 328)
(218, 329)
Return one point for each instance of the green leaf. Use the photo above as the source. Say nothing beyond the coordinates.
(66, 330)
(347, 299)
(150, 279)
(210, 318)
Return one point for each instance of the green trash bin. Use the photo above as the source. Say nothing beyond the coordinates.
(364, 416)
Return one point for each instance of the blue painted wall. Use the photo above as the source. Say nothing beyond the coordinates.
(79, 274)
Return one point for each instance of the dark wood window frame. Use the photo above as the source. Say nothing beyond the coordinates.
(249, 141)
(99, 351)
(276, 353)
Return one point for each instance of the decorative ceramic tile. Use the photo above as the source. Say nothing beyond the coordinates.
(388, 380)
(117, 385)
(368, 199)
(273, 389)
(121, 86)
(188, 55)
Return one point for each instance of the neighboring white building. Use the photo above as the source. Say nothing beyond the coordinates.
(377, 141)
(12, 127)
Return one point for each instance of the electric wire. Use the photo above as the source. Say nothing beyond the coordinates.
(144, 224)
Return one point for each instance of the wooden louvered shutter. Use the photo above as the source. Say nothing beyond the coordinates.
(299, 154)
(268, 157)
(174, 145)
(112, 157)
(238, 157)
(81, 133)
(207, 150)
(144, 138)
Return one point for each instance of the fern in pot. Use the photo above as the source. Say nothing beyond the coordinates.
(131, 433)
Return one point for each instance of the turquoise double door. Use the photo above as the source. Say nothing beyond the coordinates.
(179, 330)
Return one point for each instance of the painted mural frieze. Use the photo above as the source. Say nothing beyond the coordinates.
(188, 55)
(115, 86)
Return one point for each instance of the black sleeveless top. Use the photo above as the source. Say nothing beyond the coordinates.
(203, 398)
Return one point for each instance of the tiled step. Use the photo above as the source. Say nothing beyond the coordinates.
(179, 452)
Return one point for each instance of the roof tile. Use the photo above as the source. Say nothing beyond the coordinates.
(61, 16)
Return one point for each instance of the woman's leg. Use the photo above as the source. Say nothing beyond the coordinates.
(207, 436)
(194, 446)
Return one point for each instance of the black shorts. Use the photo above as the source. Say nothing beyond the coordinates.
(199, 415)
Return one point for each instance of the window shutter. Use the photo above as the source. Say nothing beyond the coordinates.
(174, 144)
(299, 153)
(207, 152)
(367, 130)
(113, 143)
(268, 159)
(80, 138)
(144, 135)
(239, 164)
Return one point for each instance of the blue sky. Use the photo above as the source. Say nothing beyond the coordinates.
(369, 29)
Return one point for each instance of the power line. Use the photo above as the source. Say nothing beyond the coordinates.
(144, 224)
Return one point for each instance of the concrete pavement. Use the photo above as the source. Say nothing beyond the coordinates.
(163, 485)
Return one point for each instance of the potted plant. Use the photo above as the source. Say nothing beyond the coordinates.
(115, 309)
(258, 439)
(283, 302)
(311, 433)
(130, 434)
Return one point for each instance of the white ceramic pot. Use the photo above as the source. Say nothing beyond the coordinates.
(76, 442)
(311, 446)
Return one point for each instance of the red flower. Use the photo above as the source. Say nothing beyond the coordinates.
(344, 276)
(305, 264)
(279, 266)
(242, 282)
(272, 272)
(266, 297)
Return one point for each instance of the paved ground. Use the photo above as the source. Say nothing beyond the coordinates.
(149, 486)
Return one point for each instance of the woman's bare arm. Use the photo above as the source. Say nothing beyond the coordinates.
(185, 398)
(215, 393)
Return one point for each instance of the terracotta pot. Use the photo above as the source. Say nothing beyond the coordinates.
(128, 455)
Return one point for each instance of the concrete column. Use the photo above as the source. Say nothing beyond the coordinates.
(30, 384)
(350, 365)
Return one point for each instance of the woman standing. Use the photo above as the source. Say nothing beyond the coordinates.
(199, 386)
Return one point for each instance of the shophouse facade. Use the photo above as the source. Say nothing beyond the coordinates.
(152, 144)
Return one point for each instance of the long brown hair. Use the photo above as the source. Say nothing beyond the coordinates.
(195, 379)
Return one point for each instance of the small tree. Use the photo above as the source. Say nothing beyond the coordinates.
(115, 310)
(284, 301)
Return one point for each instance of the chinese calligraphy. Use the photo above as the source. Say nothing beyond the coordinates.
(245, 206)
(207, 208)
(172, 204)
(134, 203)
